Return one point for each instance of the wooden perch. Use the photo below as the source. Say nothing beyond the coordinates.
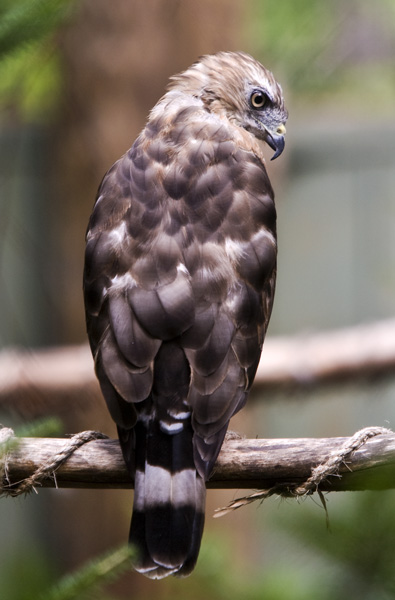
(349, 354)
(34, 383)
(242, 463)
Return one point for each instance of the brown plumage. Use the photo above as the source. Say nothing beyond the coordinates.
(179, 283)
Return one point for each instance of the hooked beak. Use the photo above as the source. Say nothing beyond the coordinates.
(276, 140)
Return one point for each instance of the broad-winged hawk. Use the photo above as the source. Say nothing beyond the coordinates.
(179, 283)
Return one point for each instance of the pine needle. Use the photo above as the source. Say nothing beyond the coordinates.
(92, 576)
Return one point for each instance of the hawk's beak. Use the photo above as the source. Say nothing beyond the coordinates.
(276, 140)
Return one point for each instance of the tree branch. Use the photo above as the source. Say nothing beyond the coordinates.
(37, 382)
(349, 354)
(253, 464)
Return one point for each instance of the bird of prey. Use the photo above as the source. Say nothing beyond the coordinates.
(179, 281)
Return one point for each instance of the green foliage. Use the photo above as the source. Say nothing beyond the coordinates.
(47, 427)
(223, 573)
(28, 574)
(295, 34)
(29, 81)
(25, 21)
(301, 560)
(29, 65)
(24, 576)
(323, 47)
(86, 582)
(359, 549)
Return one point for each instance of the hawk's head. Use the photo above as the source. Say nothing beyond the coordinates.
(237, 86)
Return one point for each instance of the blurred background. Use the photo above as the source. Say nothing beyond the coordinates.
(77, 80)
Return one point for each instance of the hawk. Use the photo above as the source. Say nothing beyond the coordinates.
(179, 281)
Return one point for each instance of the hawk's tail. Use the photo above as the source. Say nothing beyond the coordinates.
(169, 502)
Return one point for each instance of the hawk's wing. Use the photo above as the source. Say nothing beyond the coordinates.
(179, 284)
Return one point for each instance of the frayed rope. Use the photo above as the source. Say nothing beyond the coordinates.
(329, 468)
(8, 441)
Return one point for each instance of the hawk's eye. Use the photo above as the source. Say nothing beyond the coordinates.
(258, 100)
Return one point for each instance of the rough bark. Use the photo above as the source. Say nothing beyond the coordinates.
(242, 463)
